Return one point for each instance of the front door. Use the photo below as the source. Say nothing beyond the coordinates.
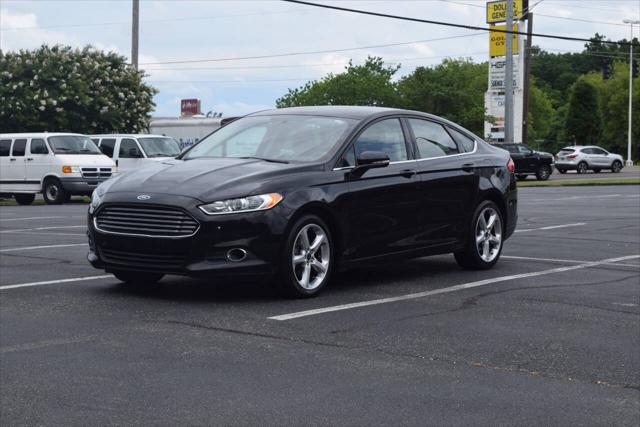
(382, 206)
(130, 155)
(38, 162)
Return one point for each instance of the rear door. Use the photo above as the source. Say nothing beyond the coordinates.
(38, 162)
(382, 205)
(448, 181)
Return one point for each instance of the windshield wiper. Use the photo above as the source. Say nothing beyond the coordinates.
(265, 159)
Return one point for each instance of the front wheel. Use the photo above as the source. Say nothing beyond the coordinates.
(616, 167)
(484, 239)
(53, 192)
(137, 278)
(544, 172)
(24, 199)
(308, 258)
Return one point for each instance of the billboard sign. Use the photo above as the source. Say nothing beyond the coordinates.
(497, 68)
(498, 40)
(189, 107)
(497, 10)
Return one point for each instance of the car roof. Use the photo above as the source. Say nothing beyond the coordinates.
(342, 111)
(37, 134)
(129, 135)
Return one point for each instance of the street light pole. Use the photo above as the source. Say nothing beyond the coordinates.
(135, 20)
(631, 24)
(508, 77)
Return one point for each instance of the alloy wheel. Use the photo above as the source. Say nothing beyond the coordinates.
(311, 256)
(488, 234)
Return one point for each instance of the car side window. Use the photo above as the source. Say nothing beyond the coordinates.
(598, 151)
(5, 147)
(432, 139)
(465, 143)
(19, 146)
(524, 149)
(384, 136)
(38, 146)
(107, 145)
(587, 151)
(129, 149)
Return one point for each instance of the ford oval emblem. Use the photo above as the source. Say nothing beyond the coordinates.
(144, 197)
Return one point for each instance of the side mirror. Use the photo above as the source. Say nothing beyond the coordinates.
(372, 160)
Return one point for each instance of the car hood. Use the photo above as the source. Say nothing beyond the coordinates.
(206, 179)
(85, 160)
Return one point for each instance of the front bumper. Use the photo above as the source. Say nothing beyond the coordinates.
(81, 185)
(204, 254)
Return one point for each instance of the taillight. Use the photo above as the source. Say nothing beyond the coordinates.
(572, 156)
(511, 166)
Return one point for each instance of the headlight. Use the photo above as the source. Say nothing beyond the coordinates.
(96, 199)
(71, 169)
(244, 204)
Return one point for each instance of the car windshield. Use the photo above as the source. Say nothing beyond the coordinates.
(73, 144)
(160, 147)
(278, 138)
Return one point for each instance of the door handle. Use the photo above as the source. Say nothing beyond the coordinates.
(408, 173)
(29, 159)
(468, 167)
(12, 160)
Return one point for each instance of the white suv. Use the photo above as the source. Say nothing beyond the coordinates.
(132, 151)
(584, 158)
(57, 164)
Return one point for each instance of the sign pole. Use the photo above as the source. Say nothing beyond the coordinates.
(525, 93)
(508, 82)
(135, 20)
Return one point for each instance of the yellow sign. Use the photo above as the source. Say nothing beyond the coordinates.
(498, 41)
(497, 10)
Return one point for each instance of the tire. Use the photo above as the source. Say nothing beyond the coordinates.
(53, 192)
(616, 167)
(521, 177)
(583, 167)
(24, 199)
(471, 257)
(299, 266)
(137, 278)
(596, 171)
(562, 171)
(544, 172)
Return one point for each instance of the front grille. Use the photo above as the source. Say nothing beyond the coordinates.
(96, 172)
(146, 261)
(146, 221)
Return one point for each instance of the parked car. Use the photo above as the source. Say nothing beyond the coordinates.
(529, 161)
(130, 152)
(584, 158)
(297, 193)
(57, 164)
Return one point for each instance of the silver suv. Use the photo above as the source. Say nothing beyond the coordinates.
(584, 158)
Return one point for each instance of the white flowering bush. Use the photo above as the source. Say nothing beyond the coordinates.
(60, 89)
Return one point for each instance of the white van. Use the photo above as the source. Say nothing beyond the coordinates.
(131, 151)
(57, 164)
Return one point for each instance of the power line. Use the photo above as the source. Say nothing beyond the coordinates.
(447, 24)
(278, 55)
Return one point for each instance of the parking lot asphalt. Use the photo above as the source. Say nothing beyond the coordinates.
(551, 335)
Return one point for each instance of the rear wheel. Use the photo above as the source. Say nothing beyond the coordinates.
(583, 167)
(138, 278)
(616, 167)
(53, 193)
(484, 241)
(307, 263)
(24, 199)
(544, 172)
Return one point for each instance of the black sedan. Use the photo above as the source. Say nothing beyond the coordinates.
(298, 193)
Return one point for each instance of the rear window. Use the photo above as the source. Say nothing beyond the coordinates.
(566, 151)
(5, 147)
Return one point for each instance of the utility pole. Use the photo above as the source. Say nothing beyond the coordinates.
(527, 70)
(631, 24)
(508, 79)
(135, 24)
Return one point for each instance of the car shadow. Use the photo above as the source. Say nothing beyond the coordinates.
(262, 289)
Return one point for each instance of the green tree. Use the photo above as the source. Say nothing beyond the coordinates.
(583, 123)
(74, 90)
(541, 114)
(453, 89)
(367, 84)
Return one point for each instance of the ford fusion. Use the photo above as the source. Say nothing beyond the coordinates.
(297, 194)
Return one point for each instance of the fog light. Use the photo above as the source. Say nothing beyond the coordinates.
(236, 255)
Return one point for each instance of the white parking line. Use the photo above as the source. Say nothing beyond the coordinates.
(43, 228)
(461, 287)
(53, 282)
(561, 261)
(29, 248)
(553, 227)
(36, 217)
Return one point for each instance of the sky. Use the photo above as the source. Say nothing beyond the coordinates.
(221, 30)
